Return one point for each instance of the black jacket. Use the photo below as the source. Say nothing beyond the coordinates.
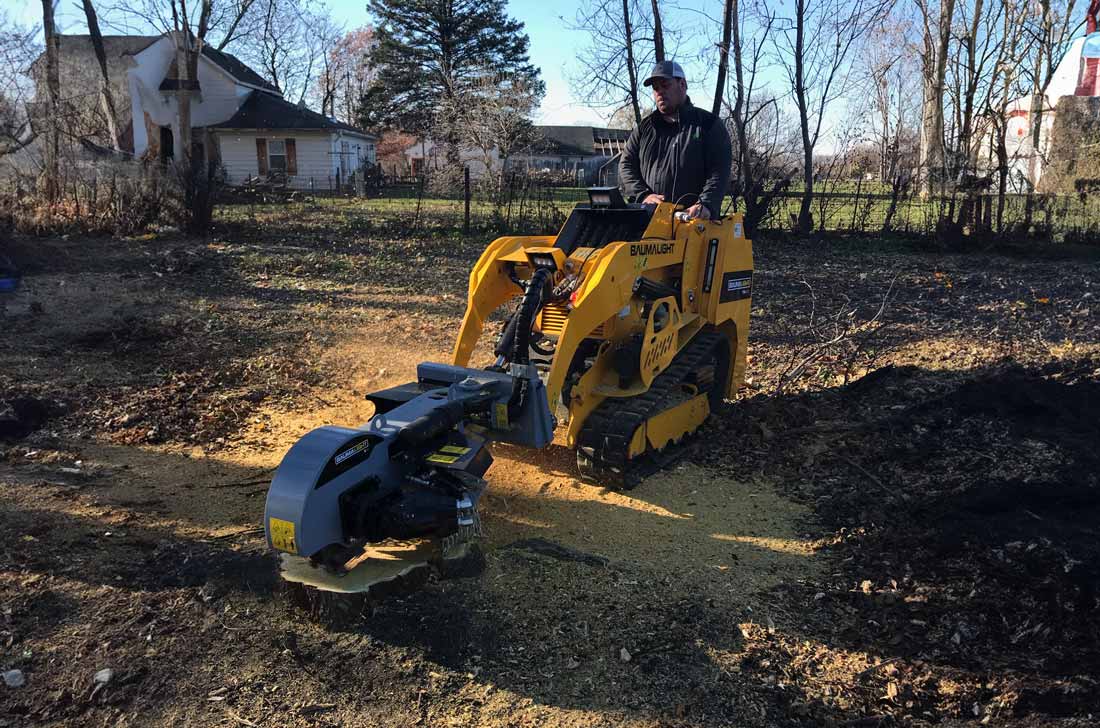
(690, 159)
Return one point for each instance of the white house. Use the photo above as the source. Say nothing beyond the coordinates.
(237, 117)
(254, 130)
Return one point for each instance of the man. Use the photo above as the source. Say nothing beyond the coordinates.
(678, 153)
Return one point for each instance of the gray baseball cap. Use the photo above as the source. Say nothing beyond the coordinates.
(665, 69)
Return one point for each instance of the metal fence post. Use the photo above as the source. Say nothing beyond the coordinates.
(466, 195)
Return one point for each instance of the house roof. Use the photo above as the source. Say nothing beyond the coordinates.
(238, 70)
(580, 141)
(225, 61)
(265, 111)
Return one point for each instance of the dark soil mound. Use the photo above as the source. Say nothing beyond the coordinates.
(965, 510)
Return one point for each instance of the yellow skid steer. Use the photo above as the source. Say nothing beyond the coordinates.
(628, 328)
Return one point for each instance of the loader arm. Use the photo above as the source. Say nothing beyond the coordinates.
(490, 288)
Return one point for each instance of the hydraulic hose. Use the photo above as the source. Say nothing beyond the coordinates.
(528, 309)
(516, 337)
(517, 334)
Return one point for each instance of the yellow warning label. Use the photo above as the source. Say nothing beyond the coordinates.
(454, 449)
(282, 535)
(500, 416)
(436, 457)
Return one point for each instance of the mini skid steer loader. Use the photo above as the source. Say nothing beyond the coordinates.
(630, 327)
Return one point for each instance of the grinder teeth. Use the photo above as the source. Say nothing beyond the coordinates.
(469, 530)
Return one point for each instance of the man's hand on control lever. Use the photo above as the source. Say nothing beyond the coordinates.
(698, 211)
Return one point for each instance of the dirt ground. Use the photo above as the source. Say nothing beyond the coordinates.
(894, 524)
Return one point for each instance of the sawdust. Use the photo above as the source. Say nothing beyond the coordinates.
(728, 536)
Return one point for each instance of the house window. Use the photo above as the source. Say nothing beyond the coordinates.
(276, 155)
(345, 150)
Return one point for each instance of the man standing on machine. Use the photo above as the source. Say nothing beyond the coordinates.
(678, 153)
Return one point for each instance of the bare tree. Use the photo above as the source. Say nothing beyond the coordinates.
(347, 73)
(191, 28)
(658, 34)
(631, 69)
(230, 21)
(17, 51)
(761, 168)
(189, 39)
(285, 46)
(723, 56)
(973, 67)
(891, 108)
(327, 35)
(622, 47)
(496, 122)
(1007, 84)
(51, 171)
(105, 95)
(935, 38)
(814, 47)
(624, 118)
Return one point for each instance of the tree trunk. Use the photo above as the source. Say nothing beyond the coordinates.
(658, 34)
(744, 169)
(1002, 178)
(931, 155)
(805, 217)
(723, 58)
(51, 173)
(968, 151)
(348, 108)
(1035, 118)
(182, 152)
(1038, 97)
(933, 72)
(105, 96)
(630, 64)
(192, 43)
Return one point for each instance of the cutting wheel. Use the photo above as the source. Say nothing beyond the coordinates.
(376, 565)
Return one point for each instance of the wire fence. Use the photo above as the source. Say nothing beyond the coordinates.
(1062, 217)
(417, 205)
(519, 205)
(107, 197)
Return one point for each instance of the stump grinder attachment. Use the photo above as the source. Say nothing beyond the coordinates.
(629, 328)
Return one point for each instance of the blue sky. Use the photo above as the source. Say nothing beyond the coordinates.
(553, 46)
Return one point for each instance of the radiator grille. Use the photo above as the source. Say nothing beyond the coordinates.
(553, 321)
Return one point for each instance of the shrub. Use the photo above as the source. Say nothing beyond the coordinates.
(109, 199)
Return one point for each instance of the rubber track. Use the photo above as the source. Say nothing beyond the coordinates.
(603, 444)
